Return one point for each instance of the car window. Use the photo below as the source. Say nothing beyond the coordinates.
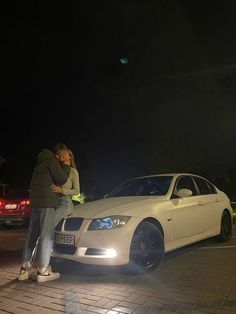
(149, 186)
(204, 186)
(212, 188)
(186, 182)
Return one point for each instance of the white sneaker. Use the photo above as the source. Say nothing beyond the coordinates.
(26, 273)
(47, 276)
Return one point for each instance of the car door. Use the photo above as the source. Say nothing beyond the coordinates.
(210, 203)
(187, 213)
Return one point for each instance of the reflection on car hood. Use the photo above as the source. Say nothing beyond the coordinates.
(113, 206)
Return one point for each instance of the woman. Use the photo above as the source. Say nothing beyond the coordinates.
(67, 190)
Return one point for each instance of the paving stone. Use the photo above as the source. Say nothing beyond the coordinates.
(122, 309)
(151, 308)
(116, 297)
(128, 304)
(200, 280)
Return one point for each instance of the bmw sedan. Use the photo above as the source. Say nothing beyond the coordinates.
(142, 219)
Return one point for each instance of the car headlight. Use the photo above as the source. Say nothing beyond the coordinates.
(108, 223)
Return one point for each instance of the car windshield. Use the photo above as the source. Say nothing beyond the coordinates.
(15, 194)
(149, 186)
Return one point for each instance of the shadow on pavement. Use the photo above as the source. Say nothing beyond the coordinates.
(10, 258)
(191, 247)
(70, 267)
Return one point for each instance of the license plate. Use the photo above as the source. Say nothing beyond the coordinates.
(64, 239)
(10, 206)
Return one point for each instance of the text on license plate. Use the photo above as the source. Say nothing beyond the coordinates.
(64, 239)
(10, 206)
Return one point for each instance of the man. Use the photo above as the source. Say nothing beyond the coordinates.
(48, 170)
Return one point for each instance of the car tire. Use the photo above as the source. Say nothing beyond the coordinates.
(225, 228)
(147, 247)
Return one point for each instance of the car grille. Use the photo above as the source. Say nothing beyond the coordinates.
(70, 224)
(59, 225)
(73, 224)
(64, 249)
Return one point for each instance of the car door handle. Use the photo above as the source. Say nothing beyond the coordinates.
(200, 203)
(217, 200)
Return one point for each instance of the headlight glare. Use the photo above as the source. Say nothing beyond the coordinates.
(108, 223)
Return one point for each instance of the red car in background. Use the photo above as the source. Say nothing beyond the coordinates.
(15, 207)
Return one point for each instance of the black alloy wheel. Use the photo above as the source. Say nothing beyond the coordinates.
(147, 247)
(226, 227)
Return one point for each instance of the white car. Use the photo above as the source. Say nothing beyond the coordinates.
(144, 218)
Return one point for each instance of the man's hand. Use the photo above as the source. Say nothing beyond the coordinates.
(56, 188)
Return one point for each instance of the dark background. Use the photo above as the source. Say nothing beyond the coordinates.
(171, 108)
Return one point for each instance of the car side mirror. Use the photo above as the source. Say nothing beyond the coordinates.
(184, 193)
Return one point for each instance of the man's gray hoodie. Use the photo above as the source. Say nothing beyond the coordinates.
(48, 171)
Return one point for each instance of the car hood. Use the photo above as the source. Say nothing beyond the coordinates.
(114, 206)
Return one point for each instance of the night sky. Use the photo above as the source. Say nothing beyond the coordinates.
(171, 108)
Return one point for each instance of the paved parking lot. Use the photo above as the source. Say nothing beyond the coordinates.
(198, 279)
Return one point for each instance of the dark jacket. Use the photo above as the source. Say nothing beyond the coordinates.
(47, 171)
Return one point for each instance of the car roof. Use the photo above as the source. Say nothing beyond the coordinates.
(174, 174)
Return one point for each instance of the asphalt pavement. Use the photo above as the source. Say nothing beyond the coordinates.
(200, 278)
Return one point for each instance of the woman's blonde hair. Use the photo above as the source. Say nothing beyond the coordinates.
(73, 165)
(59, 148)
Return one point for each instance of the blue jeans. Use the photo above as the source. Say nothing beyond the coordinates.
(41, 226)
(65, 208)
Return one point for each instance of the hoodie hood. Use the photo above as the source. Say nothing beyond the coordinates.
(44, 155)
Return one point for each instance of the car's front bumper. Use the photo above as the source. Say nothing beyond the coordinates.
(101, 247)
